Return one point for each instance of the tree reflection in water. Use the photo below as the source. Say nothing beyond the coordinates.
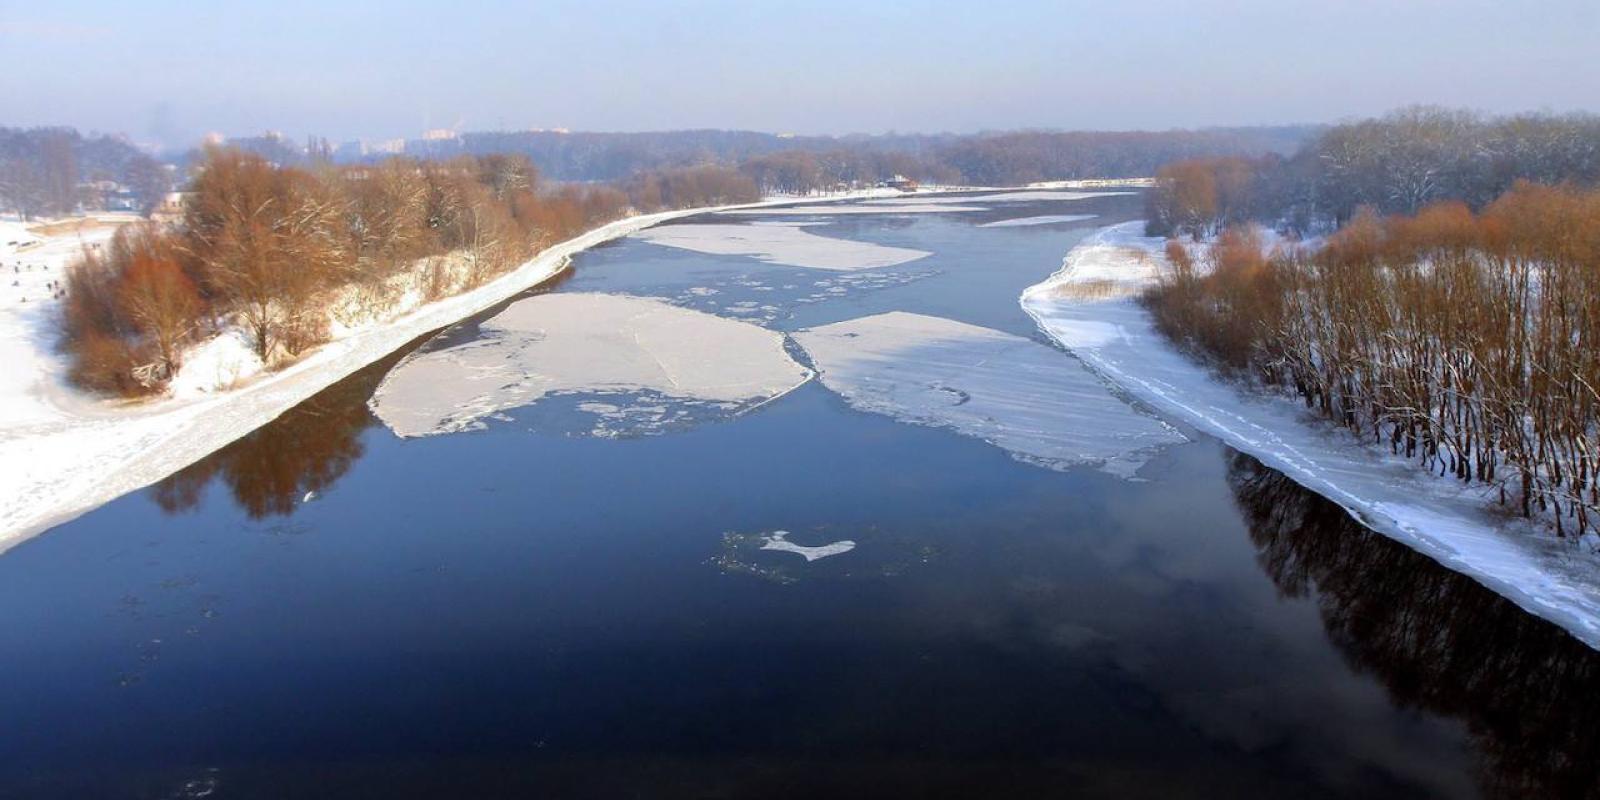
(1439, 641)
(272, 468)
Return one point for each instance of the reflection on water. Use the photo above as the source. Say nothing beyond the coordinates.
(1439, 641)
(281, 464)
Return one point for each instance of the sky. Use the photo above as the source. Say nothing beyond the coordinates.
(167, 72)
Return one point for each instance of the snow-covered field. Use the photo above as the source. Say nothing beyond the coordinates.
(63, 452)
(920, 205)
(780, 243)
(586, 344)
(985, 384)
(1105, 326)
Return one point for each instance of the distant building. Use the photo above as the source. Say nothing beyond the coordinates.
(902, 183)
(170, 209)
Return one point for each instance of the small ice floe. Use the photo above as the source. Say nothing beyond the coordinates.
(787, 244)
(1047, 219)
(642, 350)
(779, 540)
(1033, 401)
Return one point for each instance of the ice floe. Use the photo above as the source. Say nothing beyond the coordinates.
(1047, 219)
(999, 197)
(1024, 397)
(913, 206)
(779, 540)
(587, 344)
(1105, 326)
(780, 243)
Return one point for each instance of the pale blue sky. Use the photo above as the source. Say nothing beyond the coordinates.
(158, 69)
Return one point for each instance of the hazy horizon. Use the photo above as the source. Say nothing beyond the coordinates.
(164, 74)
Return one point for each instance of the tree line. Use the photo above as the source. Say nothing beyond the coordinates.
(280, 252)
(1464, 340)
(55, 171)
(1396, 164)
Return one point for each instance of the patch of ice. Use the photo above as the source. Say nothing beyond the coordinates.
(779, 540)
(1048, 219)
(999, 197)
(908, 206)
(585, 343)
(780, 244)
(1116, 337)
(1019, 395)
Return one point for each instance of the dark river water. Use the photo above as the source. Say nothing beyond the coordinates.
(326, 610)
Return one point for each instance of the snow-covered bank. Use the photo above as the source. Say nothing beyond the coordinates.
(63, 452)
(588, 344)
(1089, 307)
(1015, 393)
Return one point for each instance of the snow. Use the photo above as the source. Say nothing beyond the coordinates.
(216, 365)
(1555, 580)
(63, 452)
(1019, 395)
(1048, 219)
(780, 243)
(779, 540)
(585, 343)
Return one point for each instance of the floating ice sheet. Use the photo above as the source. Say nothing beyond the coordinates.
(1031, 400)
(896, 206)
(656, 355)
(779, 540)
(1047, 219)
(1032, 196)
(780, 243)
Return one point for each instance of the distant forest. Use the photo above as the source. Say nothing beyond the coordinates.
(798, 164)
(58, 170)
(1396, 164)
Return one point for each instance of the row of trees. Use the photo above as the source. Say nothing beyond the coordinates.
(1464, 340)
(1396, 165)
(47, 171)
(270, 249)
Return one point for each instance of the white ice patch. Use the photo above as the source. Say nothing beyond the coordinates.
(1001, 197)
(779, 540)
(586, 343)
(1048, 219)
(909, 206)
(1022, 396)
(1114, 334)
(780, 244)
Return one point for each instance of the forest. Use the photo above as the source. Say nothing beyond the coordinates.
(1395, 164)
(285, 254)
(53, 171)
(1462, 339)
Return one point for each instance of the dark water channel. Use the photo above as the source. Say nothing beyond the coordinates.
(326, 610)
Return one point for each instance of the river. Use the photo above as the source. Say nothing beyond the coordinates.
(593, 592)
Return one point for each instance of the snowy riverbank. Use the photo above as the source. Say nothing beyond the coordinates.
(1089, 307)
(63, 452)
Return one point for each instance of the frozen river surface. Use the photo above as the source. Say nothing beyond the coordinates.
(793, 503)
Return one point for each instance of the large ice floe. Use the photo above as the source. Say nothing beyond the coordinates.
(1089, 306)
(780, 243)
(999, 197)
(653, 359)
(1022, 396)
(1047, 219)
(912, 206)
